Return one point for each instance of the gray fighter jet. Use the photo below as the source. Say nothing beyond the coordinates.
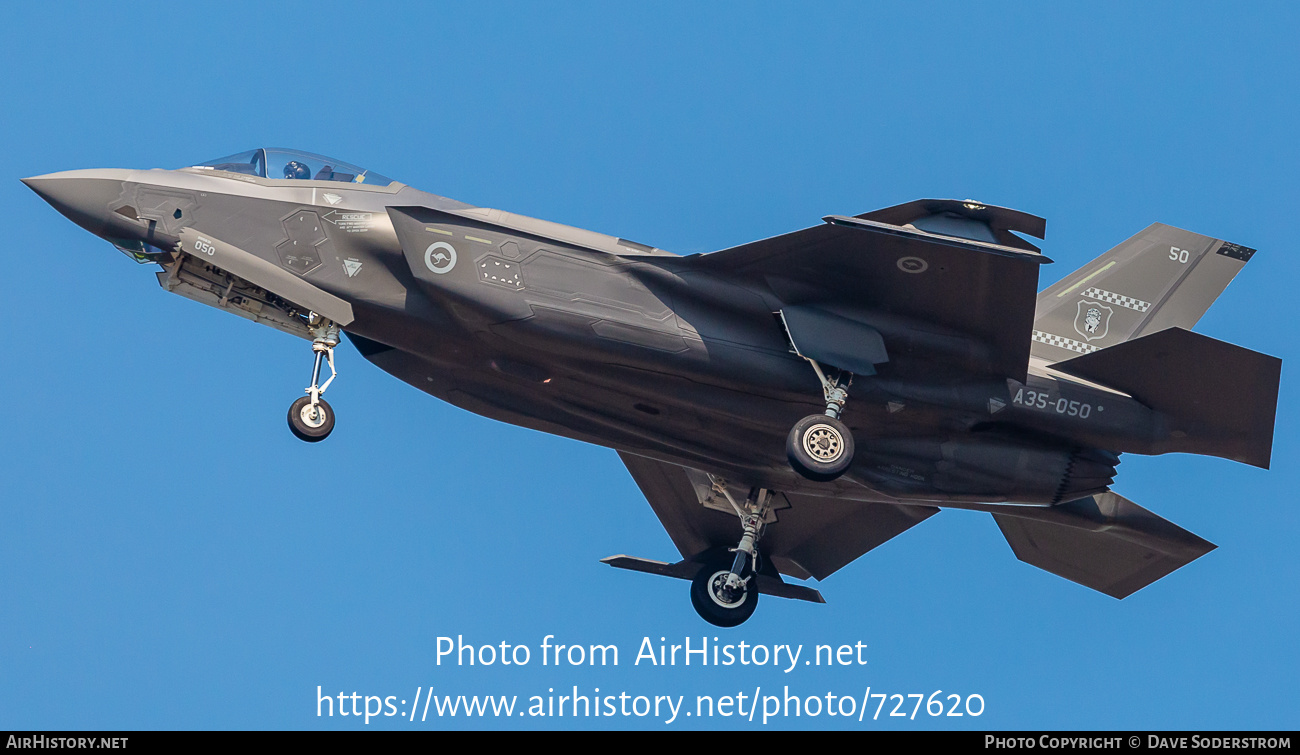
(785, 405)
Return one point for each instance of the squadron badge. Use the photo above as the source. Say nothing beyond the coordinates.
(1093, 320)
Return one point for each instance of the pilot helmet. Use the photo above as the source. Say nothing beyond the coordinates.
(295, 169)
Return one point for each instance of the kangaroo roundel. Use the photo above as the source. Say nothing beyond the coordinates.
(440, 257)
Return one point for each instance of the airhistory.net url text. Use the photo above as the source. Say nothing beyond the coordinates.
(873, 706)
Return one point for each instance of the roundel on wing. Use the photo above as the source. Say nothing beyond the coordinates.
(440, 257)
(912, 265)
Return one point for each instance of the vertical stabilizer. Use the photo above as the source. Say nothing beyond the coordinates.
(1161, 278)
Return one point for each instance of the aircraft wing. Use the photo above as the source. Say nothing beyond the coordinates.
(974, 284)
(816, 536)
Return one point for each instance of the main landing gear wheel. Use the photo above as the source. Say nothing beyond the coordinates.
(725, 591)
(820, 447)
(311, 423)
(718, 604)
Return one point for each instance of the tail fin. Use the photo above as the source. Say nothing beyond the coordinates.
(1161, 278)
(1217, 398)
(1104, 541)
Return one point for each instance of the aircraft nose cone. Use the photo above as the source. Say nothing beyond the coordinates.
(83, 196)
(46, 187)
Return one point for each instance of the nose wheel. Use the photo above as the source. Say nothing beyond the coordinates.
(309, 422)
(311, 419)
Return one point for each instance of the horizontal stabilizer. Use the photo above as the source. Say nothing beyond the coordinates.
(767, 584)
(1220, 399)
(1105, 542)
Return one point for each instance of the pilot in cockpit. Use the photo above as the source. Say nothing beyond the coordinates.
(297, 165)
(295, 169)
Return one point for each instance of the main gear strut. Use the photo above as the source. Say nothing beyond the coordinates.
(724, 592)
(310, 417)
(820, 446)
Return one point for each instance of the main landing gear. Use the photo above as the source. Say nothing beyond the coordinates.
(310, 418)
(725, 592)
(820, 446)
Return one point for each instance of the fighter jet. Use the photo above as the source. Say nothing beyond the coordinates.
(785, 405)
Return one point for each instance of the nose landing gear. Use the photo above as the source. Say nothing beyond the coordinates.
(820, 446)
(310, 418)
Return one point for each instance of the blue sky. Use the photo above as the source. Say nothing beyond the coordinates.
(171, 557)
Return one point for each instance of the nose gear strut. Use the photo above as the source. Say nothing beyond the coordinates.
(724, 593)
(310, 418)
(820, 446)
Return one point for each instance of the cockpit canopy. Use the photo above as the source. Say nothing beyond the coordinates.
(293, 164)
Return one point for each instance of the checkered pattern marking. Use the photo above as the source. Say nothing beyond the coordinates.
(1063, 342)
(1114, 298)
